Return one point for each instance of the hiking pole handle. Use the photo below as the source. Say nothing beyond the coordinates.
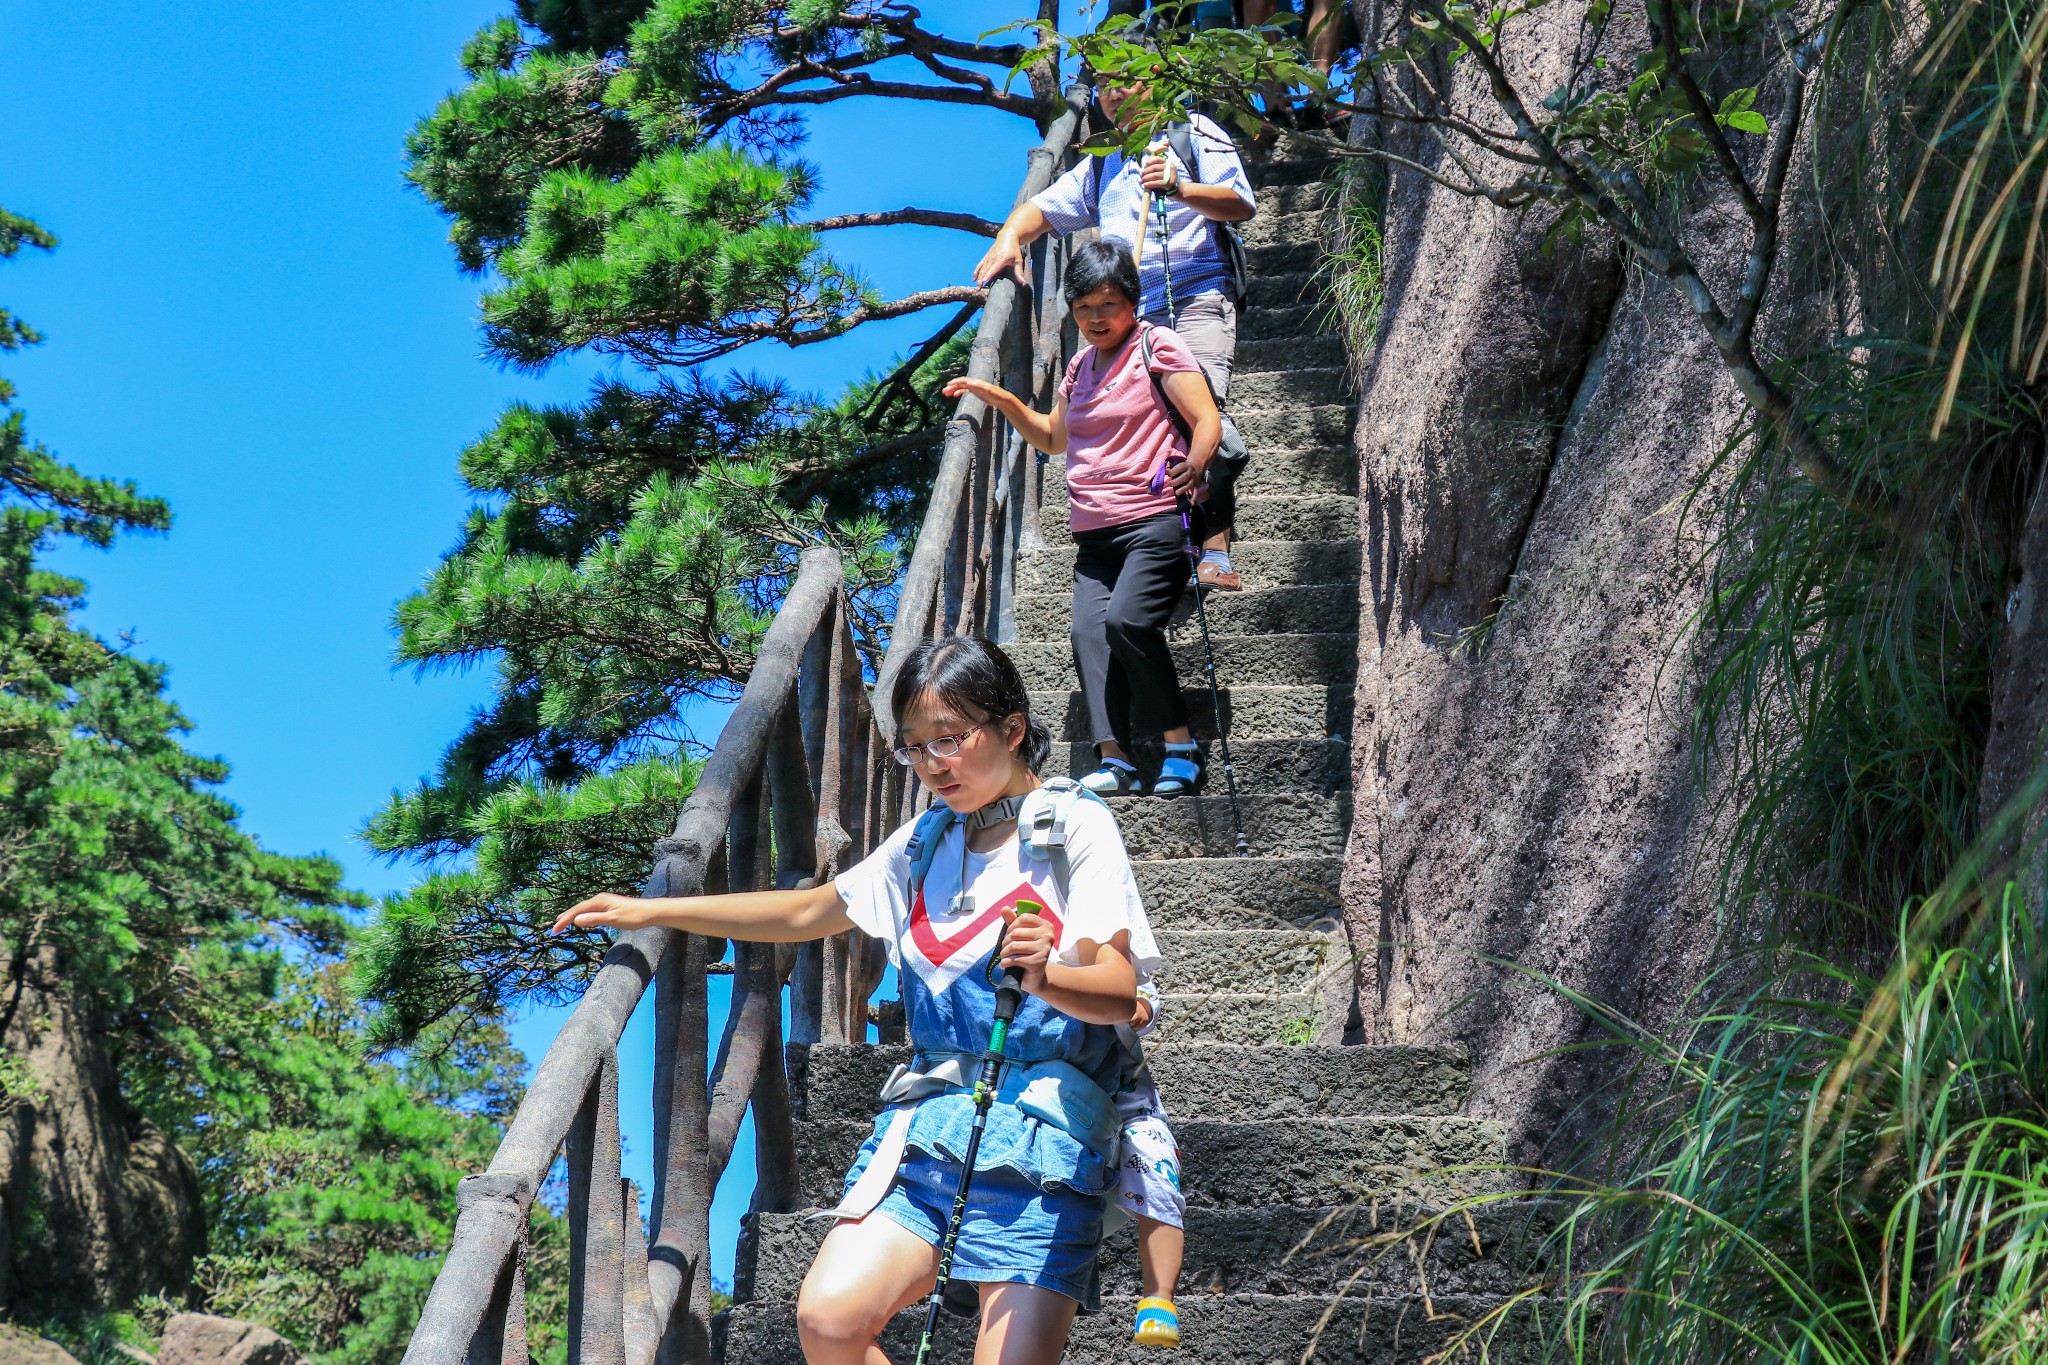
(1010, 990)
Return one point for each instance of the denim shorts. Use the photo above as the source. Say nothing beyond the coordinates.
(1013, 1233)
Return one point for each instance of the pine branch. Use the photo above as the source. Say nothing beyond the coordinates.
(885, 393)
(964, 222)
(789, 329)
(849, 85)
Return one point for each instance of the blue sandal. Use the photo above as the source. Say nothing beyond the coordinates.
(1181, 773)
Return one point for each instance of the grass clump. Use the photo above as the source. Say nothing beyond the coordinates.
(1352, 278)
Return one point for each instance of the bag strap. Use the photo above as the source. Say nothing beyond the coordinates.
(1173, 414)
(925, 839)
(1045, 833)
(1181, 137)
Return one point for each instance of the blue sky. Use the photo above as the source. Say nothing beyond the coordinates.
(251, 315)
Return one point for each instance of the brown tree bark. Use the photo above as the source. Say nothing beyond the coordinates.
(99, 1206)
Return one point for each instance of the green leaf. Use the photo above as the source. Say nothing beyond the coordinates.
(1749, 121)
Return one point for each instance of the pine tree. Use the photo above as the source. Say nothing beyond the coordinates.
(184, 1105)
(626, 173)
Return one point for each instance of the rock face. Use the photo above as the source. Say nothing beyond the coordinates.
(201, 1339)
(26, 1348)
(1521, 780)
(99, 1205)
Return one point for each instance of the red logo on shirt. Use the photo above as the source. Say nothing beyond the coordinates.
(938, 950)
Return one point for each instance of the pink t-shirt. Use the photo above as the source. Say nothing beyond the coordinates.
(1118, 432)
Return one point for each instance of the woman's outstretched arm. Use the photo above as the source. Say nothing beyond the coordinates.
(1045, 430)
(752, 916)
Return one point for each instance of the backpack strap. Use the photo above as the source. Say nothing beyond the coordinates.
(1181, 137)
(925, 839)
(1173, 414)
(1042, 825)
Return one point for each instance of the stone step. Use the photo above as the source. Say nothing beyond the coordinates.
(1264, 320)
(1289, 213)
(1320, 351)
(1217, 1081)
(1309, 227)
(1290, 162)
(1330, 467)
(1291, 230)
(1252, 893)
(1326, 516)
(1305, 712)
(1268, 659)
(1286, 201)
(1242, 961)
(1277, 825)
(1246, 1020)
(1327, 426)
(1278, 1250)
(1291, 389)
(1300, 1162)
(1309, 608)
(1290, 290)
(1259, 765)
(1242, 1329)
(1288, 256)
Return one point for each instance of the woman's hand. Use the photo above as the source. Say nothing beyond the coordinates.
(606, 910)
(1028, 943)
(995, 395)
(1185, 476)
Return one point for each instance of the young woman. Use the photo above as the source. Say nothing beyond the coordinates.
(1126, 469)
(1034, 1220)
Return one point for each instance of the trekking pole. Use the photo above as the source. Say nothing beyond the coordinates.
(1166, 258)
(1187, 531)
(1009, 998)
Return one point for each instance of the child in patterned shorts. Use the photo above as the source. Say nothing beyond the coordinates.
(1149, 1190)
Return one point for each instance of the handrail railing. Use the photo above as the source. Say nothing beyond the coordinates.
(798, 787)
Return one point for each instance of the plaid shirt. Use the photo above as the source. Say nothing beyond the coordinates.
(1126, 216)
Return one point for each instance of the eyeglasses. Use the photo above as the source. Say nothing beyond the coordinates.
(938, 746)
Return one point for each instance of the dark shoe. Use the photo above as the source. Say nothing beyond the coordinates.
(1113, 779)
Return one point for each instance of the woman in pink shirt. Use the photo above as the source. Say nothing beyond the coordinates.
(1127, 466)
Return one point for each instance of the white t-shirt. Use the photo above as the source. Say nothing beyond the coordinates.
(938, 942)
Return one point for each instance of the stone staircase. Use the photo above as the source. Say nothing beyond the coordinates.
(1294, 1149)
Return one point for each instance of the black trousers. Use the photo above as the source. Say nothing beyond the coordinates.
(1219, 511)
(1126, 581)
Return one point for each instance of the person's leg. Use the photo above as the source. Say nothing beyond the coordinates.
(1208, 327)
(1155, 571)
(865, 1274)
(1022, 1324)
(1098, 563)
(1325, 28)
(1161, 1247)
(1151, 1192)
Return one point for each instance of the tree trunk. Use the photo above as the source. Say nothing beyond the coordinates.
(98, 1204)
